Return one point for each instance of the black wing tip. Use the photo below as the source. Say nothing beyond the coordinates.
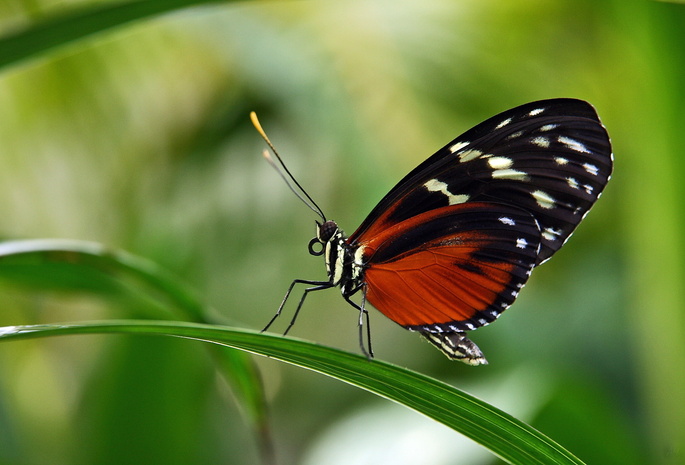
(567, 106)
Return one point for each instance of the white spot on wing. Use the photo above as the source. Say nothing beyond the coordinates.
(588, 188)
(514, 135)
(468, 155)
(503, 123)
(572, 183)
(438, 186)
(548, 127)
(573, 144)
(521, 243)
(510, 174)
(592, 169)
(458, 146)
(551, 234)
(560, 160)
(543, 199)
(506, 220)
(542, 142)
(536, 112)
(499, 163)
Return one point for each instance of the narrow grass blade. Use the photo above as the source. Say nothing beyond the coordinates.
(80, 23)
(507, 437)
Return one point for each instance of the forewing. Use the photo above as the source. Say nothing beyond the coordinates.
(451, 269)
(551, 158)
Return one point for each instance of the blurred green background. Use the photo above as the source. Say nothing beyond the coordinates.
(139, 138)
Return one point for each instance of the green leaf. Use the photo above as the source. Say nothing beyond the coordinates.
(73, 265)
(505, 436)
(80, 23)
(89, 266)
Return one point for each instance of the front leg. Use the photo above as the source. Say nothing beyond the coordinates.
(317, 285)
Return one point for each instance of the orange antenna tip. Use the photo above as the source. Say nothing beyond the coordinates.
(258, 127)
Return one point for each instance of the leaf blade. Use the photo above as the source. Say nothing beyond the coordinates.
(507, 437)
(81, 23)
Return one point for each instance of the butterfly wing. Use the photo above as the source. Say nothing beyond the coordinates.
(451, 269)
(551, 158)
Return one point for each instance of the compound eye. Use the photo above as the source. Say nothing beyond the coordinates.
(327, 230)
(316, 247)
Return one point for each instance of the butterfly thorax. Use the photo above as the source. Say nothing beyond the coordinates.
(343, 260)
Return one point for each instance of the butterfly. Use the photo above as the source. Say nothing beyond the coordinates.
(449, 248)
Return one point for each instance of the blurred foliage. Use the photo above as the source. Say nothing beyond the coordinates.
(139, 138)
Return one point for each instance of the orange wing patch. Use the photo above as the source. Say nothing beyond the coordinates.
(441, 285)
(451, 269)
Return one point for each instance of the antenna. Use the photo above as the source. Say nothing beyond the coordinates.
(283, 170)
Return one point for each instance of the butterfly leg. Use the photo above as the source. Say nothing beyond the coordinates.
(368, 324)
(362, 313)
(318, 285)
(457, 347)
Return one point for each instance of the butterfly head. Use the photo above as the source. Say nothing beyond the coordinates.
(326, 230)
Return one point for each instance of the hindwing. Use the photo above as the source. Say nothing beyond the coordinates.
(454, 268)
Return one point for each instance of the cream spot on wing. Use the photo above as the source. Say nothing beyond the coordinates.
(514, 135)
(543, 199)
(468, 155)
(503, 123)
(551, 234)
(573, 144)
(458, 146)
(541, 142)
(592, 169)
(435, 185)
(514, 175)
(500, 163)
